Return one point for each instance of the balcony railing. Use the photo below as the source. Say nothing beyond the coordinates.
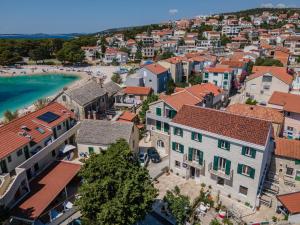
(220, 173)
(193, 163)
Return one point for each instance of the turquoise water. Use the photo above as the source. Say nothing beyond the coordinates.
(21, 91)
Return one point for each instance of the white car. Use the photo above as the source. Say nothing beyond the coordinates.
(143, 159)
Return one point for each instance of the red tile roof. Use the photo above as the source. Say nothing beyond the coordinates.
(45, 188)
(127, 116)
(287, 148)
(289, 102)
(137, 90)
(200, 89)
(178, 99)
(255, 111)
(156, 68)
(290, 202)
(279, 72)
(218, 69)
(14, 135)
(223, 123)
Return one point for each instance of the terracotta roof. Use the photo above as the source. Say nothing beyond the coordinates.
(178, 99)
(223, 123)
(283, 57)
(290, 202)
(289, 102)
(287, 148)
(156, 68)
(218, 69)
(233, 63)
(258, 112)
(11, 132)
(127, 116)
(200, 90)
(45, 188)
(279, 72)
(137, 90)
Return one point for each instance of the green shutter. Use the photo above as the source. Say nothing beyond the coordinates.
(253, 153)
(200, 137)
(173, 146)
(297, 162)
(158, 111)
(166, 127)
(181, 132)
(243, 150)
(201, 158)
(227, 167)
(219, 143)
(193, 135)
(158, 125)
(227, 145)
(91, 150)
(252, 173)
(173, 113)
(240, 168)
(190, 154)
(216, 161)
(181, 148)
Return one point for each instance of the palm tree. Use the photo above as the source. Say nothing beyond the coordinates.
(9, 116)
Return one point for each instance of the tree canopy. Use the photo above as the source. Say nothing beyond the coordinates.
(268, 62)
(115, 189)
(145, 106)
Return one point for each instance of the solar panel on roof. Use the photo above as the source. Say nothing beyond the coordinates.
(48, 117)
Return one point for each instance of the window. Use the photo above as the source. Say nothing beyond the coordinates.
(158, 111)
(53, 153)
(225, 76)
(19, 152)
(206, 75)
(178, 131)
(289, 171)
(246, 170)
(221, 181)
(243, 190)
(224, 144)
(195, 155)
(160, 144)
(215, 74)
(9, 158)
(177, 164)
(177, 147)
(225, 83)
(59, 127)
(91, 150)
(290, 128)
(297, 162)
(196, 137)
(267, 79)
(249, 152)
(158, 125)
(64, 98)
(166, 127)
(222, 164)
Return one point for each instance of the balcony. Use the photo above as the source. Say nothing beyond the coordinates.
(220, 173)
(194, 164)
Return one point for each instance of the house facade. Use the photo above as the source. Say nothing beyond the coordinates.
(219, 76)
(221, 153)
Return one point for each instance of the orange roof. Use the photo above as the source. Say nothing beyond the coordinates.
(287, 148)
(218, 69)
(290, 202)
(283, 57)
(15, 137)
(279, 72)
(45, 188)
(137, 90)
(233, 63)
(201, 89)
(156, 68)
(289, 102)
(259, 112)
(177, 100)
(127, 116)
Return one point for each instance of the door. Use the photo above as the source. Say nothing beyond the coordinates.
(3, 166)
(26, 152)
(197, 175)
(192, 172)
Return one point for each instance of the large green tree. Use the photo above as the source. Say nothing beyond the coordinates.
(8, 58)
(115, 189)
(268, 62)
(71, 53)
(145, 106)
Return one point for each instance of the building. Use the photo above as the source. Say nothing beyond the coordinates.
(92, 100)
(260, 112)
(28, 145)
(290, 105)
(95, 136)
(161, 112)
(291, 207)
(112, 54)
(293, 44)
(265, 80)
(231, 30)
(148, 52)
(230, 152)
(221, 76)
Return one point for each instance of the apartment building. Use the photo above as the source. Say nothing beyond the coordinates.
(230, 152)
(289, 104)
(112, 54)
(148, 52)
(265, 80)
(161, 112)
(231, 30)
(221, 76)
(293, 44)
(24, 138)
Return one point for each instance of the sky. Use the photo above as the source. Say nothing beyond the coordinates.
(87, 16)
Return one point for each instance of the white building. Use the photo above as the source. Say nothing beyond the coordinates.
(220, 76)
(232, 153)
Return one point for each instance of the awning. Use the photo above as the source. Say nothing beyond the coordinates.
(67, 148)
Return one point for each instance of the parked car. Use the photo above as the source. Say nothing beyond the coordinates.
(143, 159)
(153, 155)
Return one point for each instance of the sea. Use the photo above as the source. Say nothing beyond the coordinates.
(22, 91)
